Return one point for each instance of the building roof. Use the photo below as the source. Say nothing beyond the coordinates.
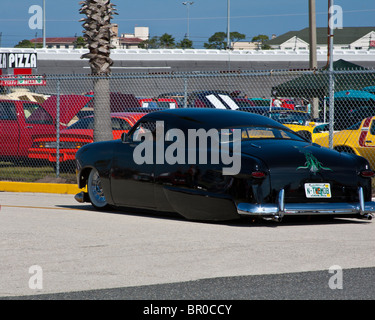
(341, 36)
(130, 40)
(55, 40)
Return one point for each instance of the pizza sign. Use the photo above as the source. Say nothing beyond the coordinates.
(18, 60)
(3, 61)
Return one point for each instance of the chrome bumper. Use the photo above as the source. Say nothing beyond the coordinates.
(280, 209)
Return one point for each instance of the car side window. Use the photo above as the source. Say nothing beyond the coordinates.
(7, 111)
(146, 126)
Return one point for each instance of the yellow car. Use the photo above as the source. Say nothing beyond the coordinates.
(311, 130)
(359, 139)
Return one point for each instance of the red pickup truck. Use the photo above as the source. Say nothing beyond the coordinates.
(21, 120)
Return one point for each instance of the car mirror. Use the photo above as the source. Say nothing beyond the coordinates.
(124, 137)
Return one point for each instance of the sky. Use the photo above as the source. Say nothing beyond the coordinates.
(249, 17)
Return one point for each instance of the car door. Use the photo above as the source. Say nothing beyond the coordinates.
(34, 120)
(9, 129)
(132, 182)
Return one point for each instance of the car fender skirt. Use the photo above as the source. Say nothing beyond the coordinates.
(201, 205)
(281, 208)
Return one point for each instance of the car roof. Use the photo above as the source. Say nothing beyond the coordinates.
(119, 114)
(212, 118)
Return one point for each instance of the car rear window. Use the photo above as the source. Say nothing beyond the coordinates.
(261, 132)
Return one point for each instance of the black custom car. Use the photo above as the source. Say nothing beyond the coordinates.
(278, 172)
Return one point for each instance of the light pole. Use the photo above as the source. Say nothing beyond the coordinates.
(44, 23)
(228, 25)
(187, 4)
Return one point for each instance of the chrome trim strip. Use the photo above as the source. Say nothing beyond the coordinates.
(281, 201)
(282, 208)
(361, 201)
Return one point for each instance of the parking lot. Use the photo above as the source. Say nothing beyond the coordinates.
(77, 249)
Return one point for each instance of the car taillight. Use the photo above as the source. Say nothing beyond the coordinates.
(258, 174)
(367, 173)
(37, 144)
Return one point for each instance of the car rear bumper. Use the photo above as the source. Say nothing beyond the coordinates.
(277, 211)
(51, 156)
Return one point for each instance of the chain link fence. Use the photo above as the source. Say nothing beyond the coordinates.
(45, 120)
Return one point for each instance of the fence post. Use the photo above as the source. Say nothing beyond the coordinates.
(331, 106)
(185, 91)
(58, 129)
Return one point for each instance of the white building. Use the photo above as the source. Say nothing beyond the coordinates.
(132, 40)
(245, 45)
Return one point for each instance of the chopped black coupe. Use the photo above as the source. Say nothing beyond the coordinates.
(208, 164)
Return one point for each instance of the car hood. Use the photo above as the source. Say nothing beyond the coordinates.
(69, 106)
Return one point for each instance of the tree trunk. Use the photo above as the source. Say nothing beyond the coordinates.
(98, 36)
(102, 110)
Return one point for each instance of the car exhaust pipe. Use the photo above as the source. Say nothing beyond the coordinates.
(82, 197)
(79, 197)
(367, 216)
(275, 218)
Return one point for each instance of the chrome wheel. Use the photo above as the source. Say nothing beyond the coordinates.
(95, 190)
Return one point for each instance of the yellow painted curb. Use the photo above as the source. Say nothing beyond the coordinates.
(39, 187)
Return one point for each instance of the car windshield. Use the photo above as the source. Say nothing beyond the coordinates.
(321, 128)
(259, 132)
(355, 126)
(84, 123)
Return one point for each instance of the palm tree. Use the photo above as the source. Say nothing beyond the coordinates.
(97, 35)
(185, 44)
(166, 41)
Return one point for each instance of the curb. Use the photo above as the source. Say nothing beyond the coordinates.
(39, 187)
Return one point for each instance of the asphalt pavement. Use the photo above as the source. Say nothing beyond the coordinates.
(55, 248)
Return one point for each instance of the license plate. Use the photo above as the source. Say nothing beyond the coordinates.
(52, 145)
(318, 190)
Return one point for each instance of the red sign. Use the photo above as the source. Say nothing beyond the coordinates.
(22, 81)
(372, 44)
(23, 71)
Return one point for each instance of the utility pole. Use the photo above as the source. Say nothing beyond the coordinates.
(331, 84)
(312, 27)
